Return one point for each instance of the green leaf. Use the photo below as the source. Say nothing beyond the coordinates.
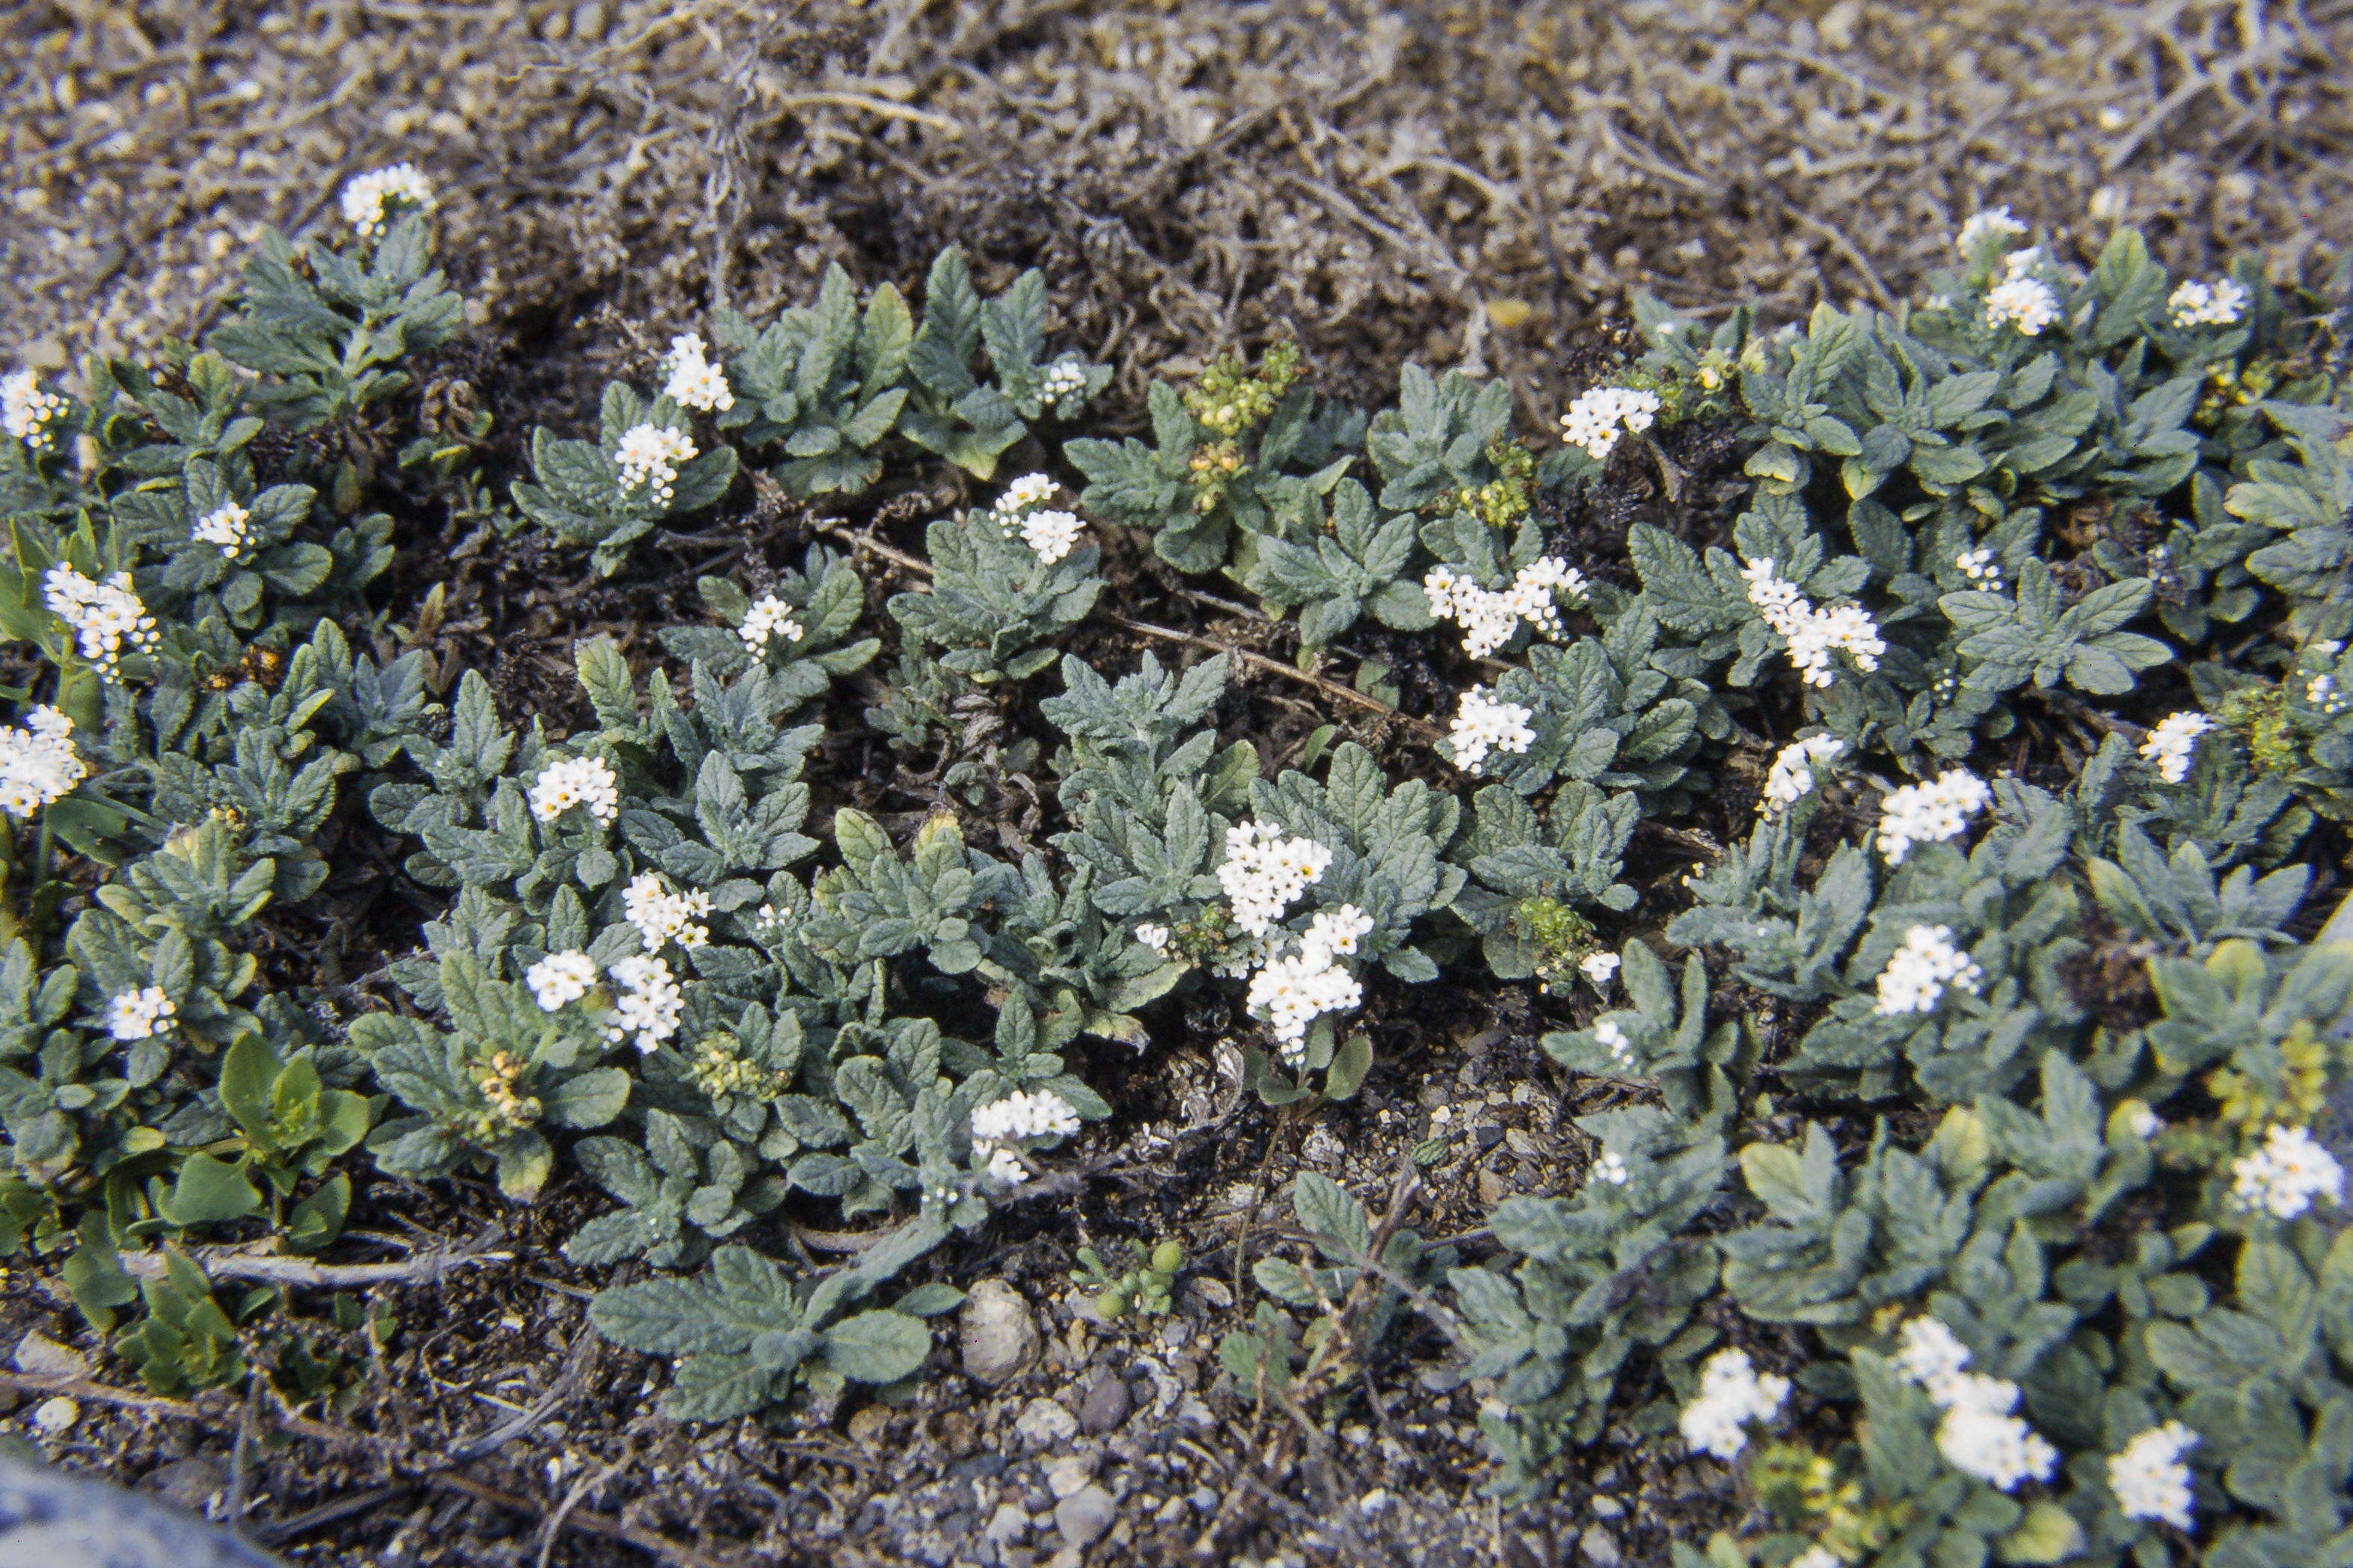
(208, 1190)
(877, 1346)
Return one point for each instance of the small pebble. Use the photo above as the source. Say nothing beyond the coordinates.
(1104, 1407)
(1068, 1476)
(1084, 1515)
(56, 1416)
(1600, 1547)
(1043, 1424)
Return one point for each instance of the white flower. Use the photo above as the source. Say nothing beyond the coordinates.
(1005, 1166)
(1052, 534)
(1600, 968)
(1022, 1114)
(1791, 777)
(371, 199)
(1486, 723)
(559, 978)
(2026, 303)
(1154, 937)
(1333, 933)
(1919, 971)
(2219, 304)
(649, 1004)
(1931, 1354)
(660, 915)
(1997, 1448)
(1536, 589)
(1028, 490)
(1982, 568)
(1265, 872)
(648, 455)
(771, 618)
(103, 616)
(1613, 1040)
(1290, 992)
(229, 526)
(37, 763)
(1610, 1168)
(2148, 1478)
(26, 411)
(2284, 1175)
(576, 781)
(2170, 745)
(1732, 1392)
(2140, 1120)
(1993, 221)
(1813, 635)
(2321, 693)
(1977, 1436)
(1816, 1556)
(136, 1014)
(1930, 812)
(1487, 619)
(1596, 419)
(1063, 378)
(694, 381)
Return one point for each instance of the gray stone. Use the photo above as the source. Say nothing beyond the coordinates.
(1068, 1475)
(40, 1356)
(995, 1335)
(191, 1484)
(1104, 1407)
(1600, 1547)
(52, 1519)
(1084, 1515)
(1043, 1424)
(1008, 1524)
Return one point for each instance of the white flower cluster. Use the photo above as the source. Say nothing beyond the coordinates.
(1732, 1392)
(104, 615)
(1028, 490)
(1155, 937)
(1488, 619)
(2170, 745)
(2321, 693)
(576, 781)
(770, 617)
(649, 1004)
(1978, 1436)
(1022, 1115)
(1598, 417)
(1919, 971)
(228, 526)
(26, 411)
(1813, 635)
(2283, 1178)
(1061, 379)
(1791, 776)
(649, 455)
(1294, 989)
(1052, 534)
(559, 978)
(1486, 723)
(1599, 968)
(1817, 1556)
(1930, 812)
(1982, 568)
(1613, 1040)
(2022, 299)
(1264, 873)
(136, 1014)
(660, 915)
(1611, 1168)
(371, 198)
(2216, 304)
(2148, 1478)
(693, 381)
(1992, 221)
(37, 763)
